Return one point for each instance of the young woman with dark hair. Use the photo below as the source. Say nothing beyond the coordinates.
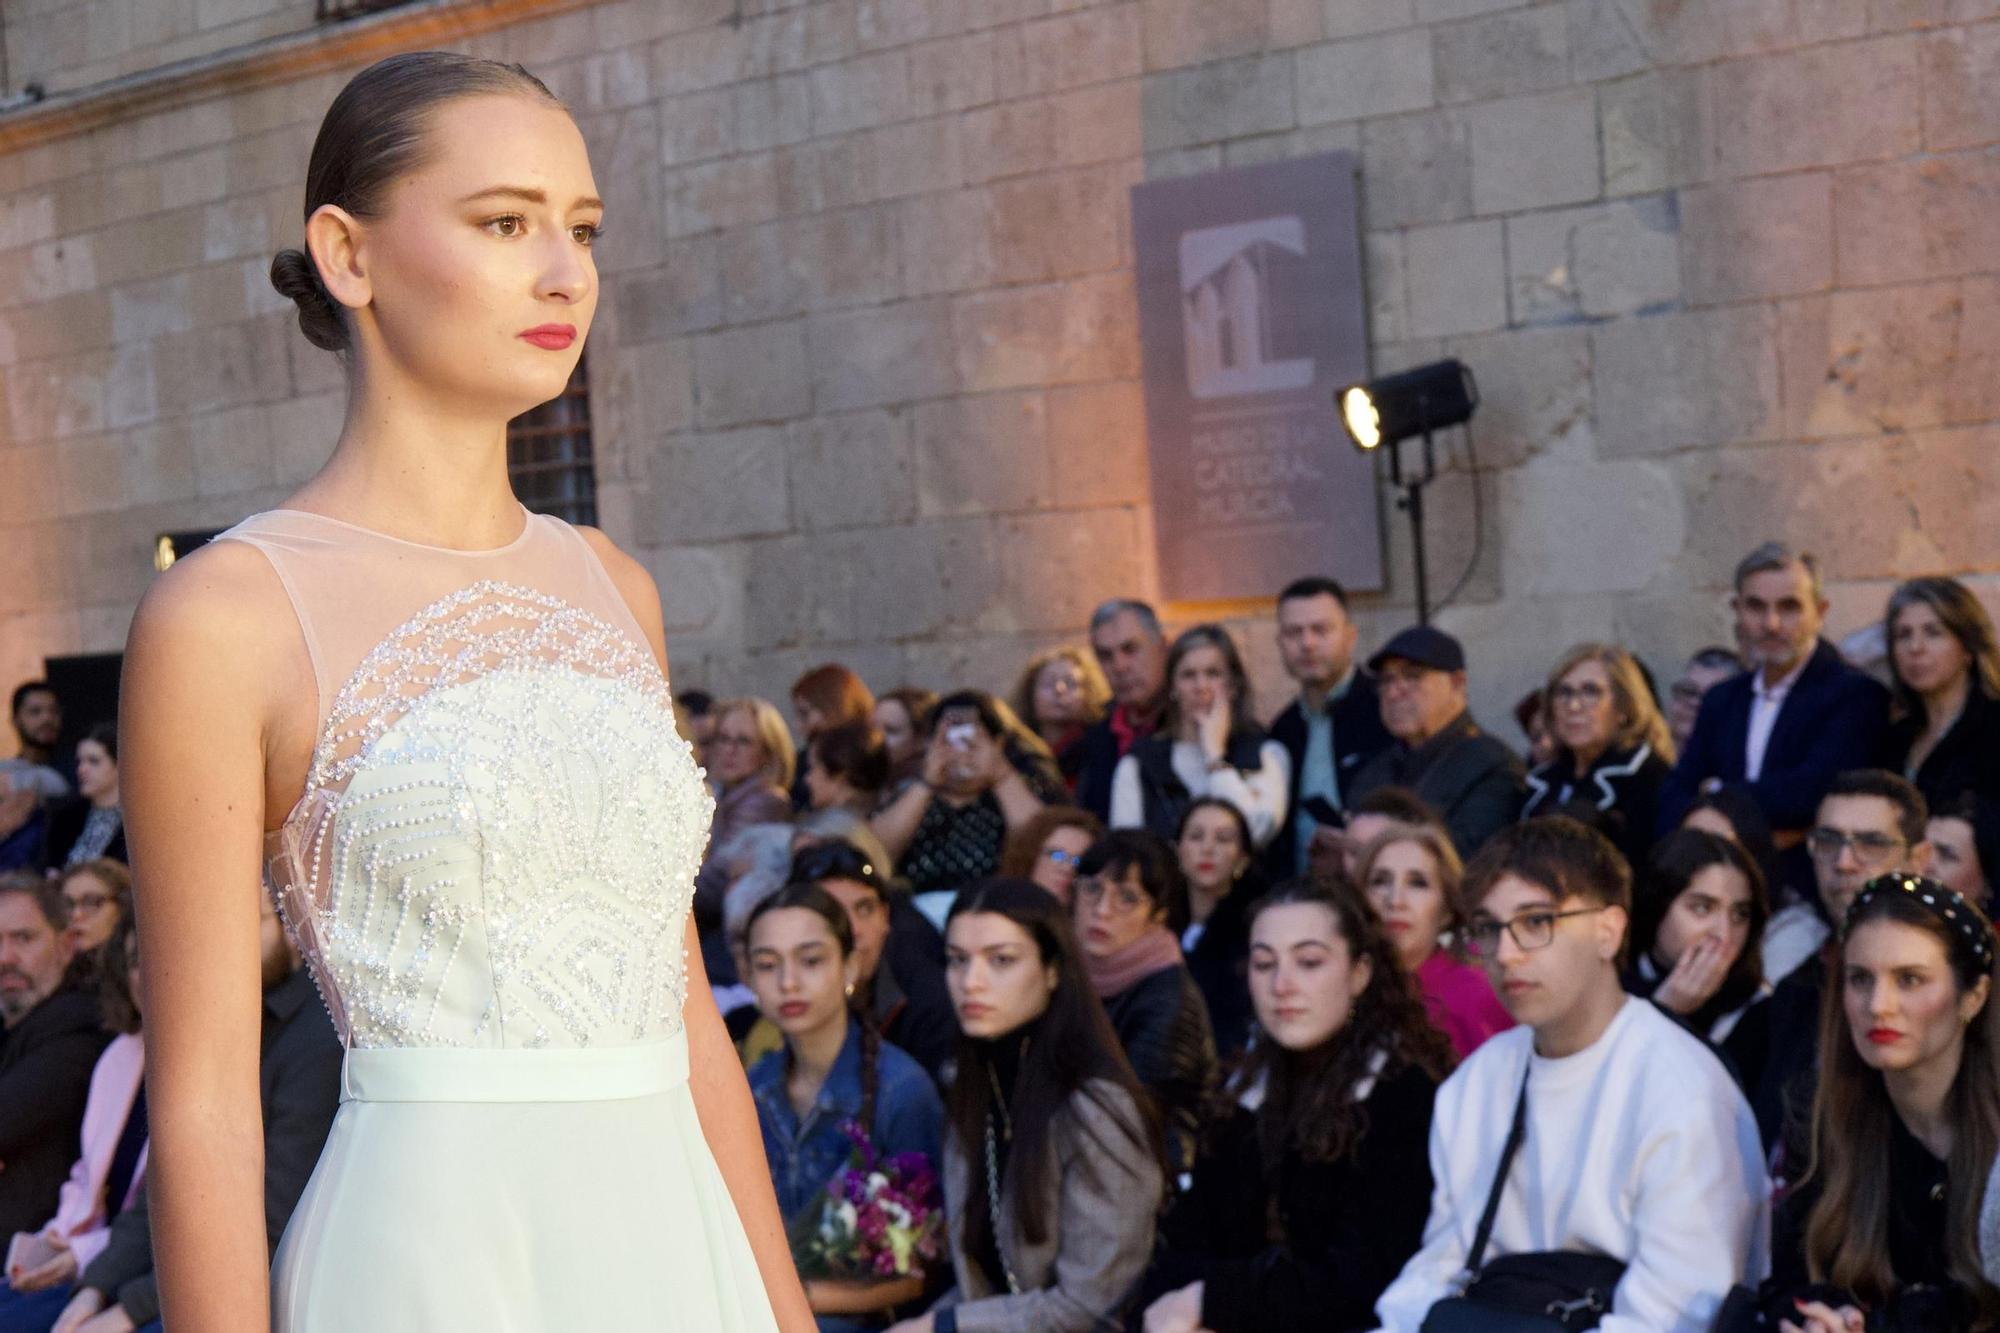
(1130, 905)
(834, 1069)
(1893, 1216)
(846, 765)
(443, 725)
(1325, 1133)
(1698, 915)
(900, 715)
(828, 696)
(1217, 863)
(1053, 1174)
(1944, 665)
(1208, 744)
(90, 824)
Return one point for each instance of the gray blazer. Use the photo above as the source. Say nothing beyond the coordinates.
(1104, 1199)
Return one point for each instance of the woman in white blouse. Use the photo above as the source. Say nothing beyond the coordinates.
(1207, 745)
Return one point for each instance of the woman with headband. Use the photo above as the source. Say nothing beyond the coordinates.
(1883, 1230)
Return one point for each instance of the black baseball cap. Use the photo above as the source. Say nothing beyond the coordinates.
(1424, 645)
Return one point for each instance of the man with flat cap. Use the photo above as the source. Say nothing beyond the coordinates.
(1440, 753)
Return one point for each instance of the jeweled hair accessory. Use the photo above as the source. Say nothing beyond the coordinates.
(1963, 922)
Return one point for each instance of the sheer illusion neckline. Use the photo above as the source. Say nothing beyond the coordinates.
(527, 527)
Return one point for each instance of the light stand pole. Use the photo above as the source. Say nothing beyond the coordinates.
(1411, 502)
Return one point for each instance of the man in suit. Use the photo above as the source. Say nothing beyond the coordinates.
(1331, 729)
(1791, 723)
(1126, 638)
(1473, 780)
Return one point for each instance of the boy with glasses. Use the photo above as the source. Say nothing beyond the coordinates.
(1634, 1143)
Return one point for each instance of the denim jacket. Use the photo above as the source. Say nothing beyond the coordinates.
(806, 1151)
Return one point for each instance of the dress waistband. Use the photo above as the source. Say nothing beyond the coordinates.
(569, 1074)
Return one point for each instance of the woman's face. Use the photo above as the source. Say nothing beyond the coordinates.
(1584, 710)
(1927, 656)
(1407, 889)
(738, 754)
(995, 974)
(811, 720)
(1201, 681)
(1212, 853)
(96, 773)
(1058, 694)
(796, 971)
(823, 788)
(1055, 865)
(476, 279)
(1904, 1008)
(1955, 858)
(869, 917)
(93, 911)
(1715, 904)
(1112, 911)
(1304, 981)
(898, 731)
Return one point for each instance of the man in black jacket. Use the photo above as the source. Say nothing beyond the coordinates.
(1470, 778)
(1126, 638)
(55, 1032)
(1331, 730)
(299, 1085)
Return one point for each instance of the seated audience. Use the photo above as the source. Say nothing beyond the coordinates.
(1891, 1226)
(1045, 1106)
(1214, 849)
(1531, 714)
(753, 863)
(899, 716)
(898, 956)
(105, 1177)
(97, 902)
(1964, 835)
(1599, 1126)
(1207, 745)
(752, 774)
(1708, 668)
(1370, 818)
(1129, 904)
(1311, 1195)
(1698, 916)
(847, 766)
(30, 782)
(1061, 694)
(1944, 670)
(298, 1087)
(1329, 730)
(1792, 723)
(1131, 649)
(985, 774)
(1870, 823)
(1611, 748)
(1049, 847)
(834, 1070)
(90, 824)
(827, 696)
(1468, 777)
(1412, 876)
(694, 717)
(54, 1035)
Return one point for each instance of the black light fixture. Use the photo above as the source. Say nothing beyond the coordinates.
(1408, 405)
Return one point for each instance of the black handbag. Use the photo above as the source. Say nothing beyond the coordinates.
(1552, 1291)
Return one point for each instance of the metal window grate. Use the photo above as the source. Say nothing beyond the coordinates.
(549, 454)
(332, 11)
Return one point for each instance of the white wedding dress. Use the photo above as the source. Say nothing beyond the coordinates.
(489, 874)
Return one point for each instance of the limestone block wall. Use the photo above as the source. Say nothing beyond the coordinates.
(865, 373)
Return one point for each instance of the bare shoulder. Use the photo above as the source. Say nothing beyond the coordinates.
(635, 584)
(224, 598)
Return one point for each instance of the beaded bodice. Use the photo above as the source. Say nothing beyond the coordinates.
(497, 840)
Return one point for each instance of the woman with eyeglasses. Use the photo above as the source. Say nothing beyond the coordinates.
(1895, 1224)
(1129, 905)
(1313, 1184)
(1612, 750)
(1698, 917)
(1062, 693)
(1944, 665)
(1052, 1159)
(98, 897)
(1047, 849)
(753, 762)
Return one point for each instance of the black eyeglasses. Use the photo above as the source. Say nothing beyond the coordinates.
(1532, 929)
(838, 860)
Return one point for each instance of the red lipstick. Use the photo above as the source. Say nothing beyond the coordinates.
(1884, 1036)
(554, 337)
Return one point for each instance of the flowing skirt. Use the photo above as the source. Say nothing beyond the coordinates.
(523, 1191)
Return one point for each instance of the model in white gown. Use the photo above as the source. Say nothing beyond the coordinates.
(489, 874)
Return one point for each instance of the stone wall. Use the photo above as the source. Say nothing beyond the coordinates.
(865, 375)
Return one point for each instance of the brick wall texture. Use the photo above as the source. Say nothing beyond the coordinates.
(865, 375)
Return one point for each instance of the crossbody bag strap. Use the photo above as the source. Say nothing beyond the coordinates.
(1515, 1134)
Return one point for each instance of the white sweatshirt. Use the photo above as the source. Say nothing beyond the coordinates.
(1639, 1147)
(1260, 795)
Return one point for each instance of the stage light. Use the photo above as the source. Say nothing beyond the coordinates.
(171, 546)
(1357, 412)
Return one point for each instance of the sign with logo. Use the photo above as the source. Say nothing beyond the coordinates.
(1251, 317)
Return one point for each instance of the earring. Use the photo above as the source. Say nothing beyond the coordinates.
(850, 990)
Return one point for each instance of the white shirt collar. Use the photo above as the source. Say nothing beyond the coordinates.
(1773, 693)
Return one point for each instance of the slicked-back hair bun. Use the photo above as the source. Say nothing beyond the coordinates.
(373, 133)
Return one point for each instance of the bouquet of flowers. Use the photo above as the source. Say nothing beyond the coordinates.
(878, 1217)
